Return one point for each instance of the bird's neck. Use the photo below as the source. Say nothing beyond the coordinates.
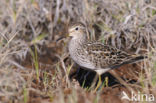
(76, 44)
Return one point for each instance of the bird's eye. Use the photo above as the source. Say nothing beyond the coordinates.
(76, 28)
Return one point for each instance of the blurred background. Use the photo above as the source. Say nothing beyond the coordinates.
(35, 67)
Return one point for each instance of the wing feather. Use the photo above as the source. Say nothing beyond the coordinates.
(105, 56)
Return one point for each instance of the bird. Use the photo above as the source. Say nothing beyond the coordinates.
(94, 55)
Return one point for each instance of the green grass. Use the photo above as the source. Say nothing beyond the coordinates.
(25, 94)
(154, 75)
(30, 25)
(35, 61)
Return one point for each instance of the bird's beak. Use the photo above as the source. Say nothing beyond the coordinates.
(65, 36)
(62, 37)
(70, 34)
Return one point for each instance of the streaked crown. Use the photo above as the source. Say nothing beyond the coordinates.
(76, 30)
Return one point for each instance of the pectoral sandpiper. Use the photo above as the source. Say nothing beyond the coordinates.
(95, 55)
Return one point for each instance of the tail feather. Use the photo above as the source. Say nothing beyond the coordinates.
(133, 60)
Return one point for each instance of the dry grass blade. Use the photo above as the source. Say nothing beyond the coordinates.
(129, 26)
(64, 67)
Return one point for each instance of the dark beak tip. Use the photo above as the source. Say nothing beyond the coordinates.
(60, 38)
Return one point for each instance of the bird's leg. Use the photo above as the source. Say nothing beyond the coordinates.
(94, 81)
(99, 83)
(106, 81)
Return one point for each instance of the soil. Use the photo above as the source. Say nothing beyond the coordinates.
(110, 93)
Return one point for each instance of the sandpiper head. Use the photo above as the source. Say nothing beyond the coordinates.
(77, 30)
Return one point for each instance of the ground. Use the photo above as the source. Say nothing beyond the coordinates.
(36, 68)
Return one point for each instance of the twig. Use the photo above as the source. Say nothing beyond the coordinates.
(64, 67)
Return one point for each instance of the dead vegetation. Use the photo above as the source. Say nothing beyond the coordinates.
(36, 68)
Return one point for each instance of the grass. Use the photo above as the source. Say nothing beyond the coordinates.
(25, 94)
(35, 68)
(35, 61)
